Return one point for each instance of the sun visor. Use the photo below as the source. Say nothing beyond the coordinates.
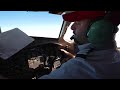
(13, 41)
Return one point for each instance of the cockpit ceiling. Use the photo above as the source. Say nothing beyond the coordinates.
(56, 12)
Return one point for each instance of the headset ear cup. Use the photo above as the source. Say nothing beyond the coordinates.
(100, 32)
(116, 29)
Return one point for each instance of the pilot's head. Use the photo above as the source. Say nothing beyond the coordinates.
(93, 27)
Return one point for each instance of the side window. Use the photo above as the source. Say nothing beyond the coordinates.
(68, 34)
(117, 38)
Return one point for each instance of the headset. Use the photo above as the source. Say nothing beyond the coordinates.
(101, 31)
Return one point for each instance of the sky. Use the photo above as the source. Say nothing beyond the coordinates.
(32, 23)
(39, 24)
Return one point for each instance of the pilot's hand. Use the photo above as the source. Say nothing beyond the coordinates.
(68, 49)
(68, 46)
(66, 55)
(71, 48)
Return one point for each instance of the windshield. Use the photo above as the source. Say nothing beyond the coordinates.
(38, 24)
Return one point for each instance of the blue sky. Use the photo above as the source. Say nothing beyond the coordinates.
(32, 23)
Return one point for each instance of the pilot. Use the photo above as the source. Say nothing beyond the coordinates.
(98, 57)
